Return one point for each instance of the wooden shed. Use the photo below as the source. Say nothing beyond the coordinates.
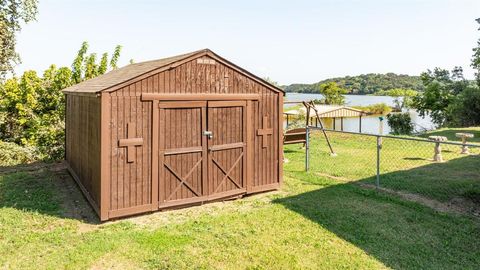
(173, 132)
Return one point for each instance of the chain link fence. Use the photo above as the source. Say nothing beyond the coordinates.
(442, 171)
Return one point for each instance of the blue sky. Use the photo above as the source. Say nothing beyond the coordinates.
(289, 41)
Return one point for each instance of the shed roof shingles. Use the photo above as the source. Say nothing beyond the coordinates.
(124, 74)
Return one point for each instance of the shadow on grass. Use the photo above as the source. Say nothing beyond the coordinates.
(44, 188)
(414, 158)
(400, 234)
(288, 151)
(444, 181)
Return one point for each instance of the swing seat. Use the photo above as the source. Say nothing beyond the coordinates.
(297, 135)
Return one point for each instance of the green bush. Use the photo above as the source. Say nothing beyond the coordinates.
(13, 154)
(400, 123)
(50, 138)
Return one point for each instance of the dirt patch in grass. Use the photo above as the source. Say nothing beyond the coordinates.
(73, 203)
(467, 205)
(336, 178)
(177, 216)
(454, 206)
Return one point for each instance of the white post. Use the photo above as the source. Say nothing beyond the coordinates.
(380, 127)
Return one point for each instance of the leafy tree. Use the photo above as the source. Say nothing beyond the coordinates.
(449, 98)
(91, 67)
(54, 80)
(333, 94)
(465, 109)
(85, 65)
(400, 123)
(77, 66)
(441, 89)
(12, 14)
(115, 57)
(103, 66)
(32, 109)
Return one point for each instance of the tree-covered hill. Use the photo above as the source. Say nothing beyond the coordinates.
(363, 84)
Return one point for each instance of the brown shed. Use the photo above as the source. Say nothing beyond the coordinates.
(173, 132)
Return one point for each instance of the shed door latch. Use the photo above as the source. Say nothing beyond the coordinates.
(208, 133)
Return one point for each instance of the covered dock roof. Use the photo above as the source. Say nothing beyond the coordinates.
(330, 111)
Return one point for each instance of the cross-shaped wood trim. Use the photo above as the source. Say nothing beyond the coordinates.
(130, 142)
(264, 132)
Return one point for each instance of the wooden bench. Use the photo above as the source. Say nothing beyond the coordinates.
(293, 136)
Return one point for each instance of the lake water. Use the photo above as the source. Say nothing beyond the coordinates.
(370, 124)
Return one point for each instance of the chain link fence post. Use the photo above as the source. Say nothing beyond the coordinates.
(307, 148)
(379, 147)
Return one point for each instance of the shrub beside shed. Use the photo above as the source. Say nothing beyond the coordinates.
(173, 132)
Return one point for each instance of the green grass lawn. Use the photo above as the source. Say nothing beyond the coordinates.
(450, 133)
(314, 222)
(405, 165)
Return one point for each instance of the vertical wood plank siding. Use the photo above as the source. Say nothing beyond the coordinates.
(130, 185)
(83, 144)
(130, 181)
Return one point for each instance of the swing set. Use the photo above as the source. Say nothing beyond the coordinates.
(299, 135)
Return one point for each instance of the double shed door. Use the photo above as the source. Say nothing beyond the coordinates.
(202, 151)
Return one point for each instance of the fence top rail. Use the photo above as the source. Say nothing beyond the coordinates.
(394, 137)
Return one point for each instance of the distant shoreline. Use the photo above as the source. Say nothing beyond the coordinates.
(349, 94)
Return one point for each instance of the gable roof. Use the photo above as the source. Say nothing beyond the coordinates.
(109, 80)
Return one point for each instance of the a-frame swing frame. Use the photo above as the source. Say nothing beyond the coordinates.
(311, 105)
